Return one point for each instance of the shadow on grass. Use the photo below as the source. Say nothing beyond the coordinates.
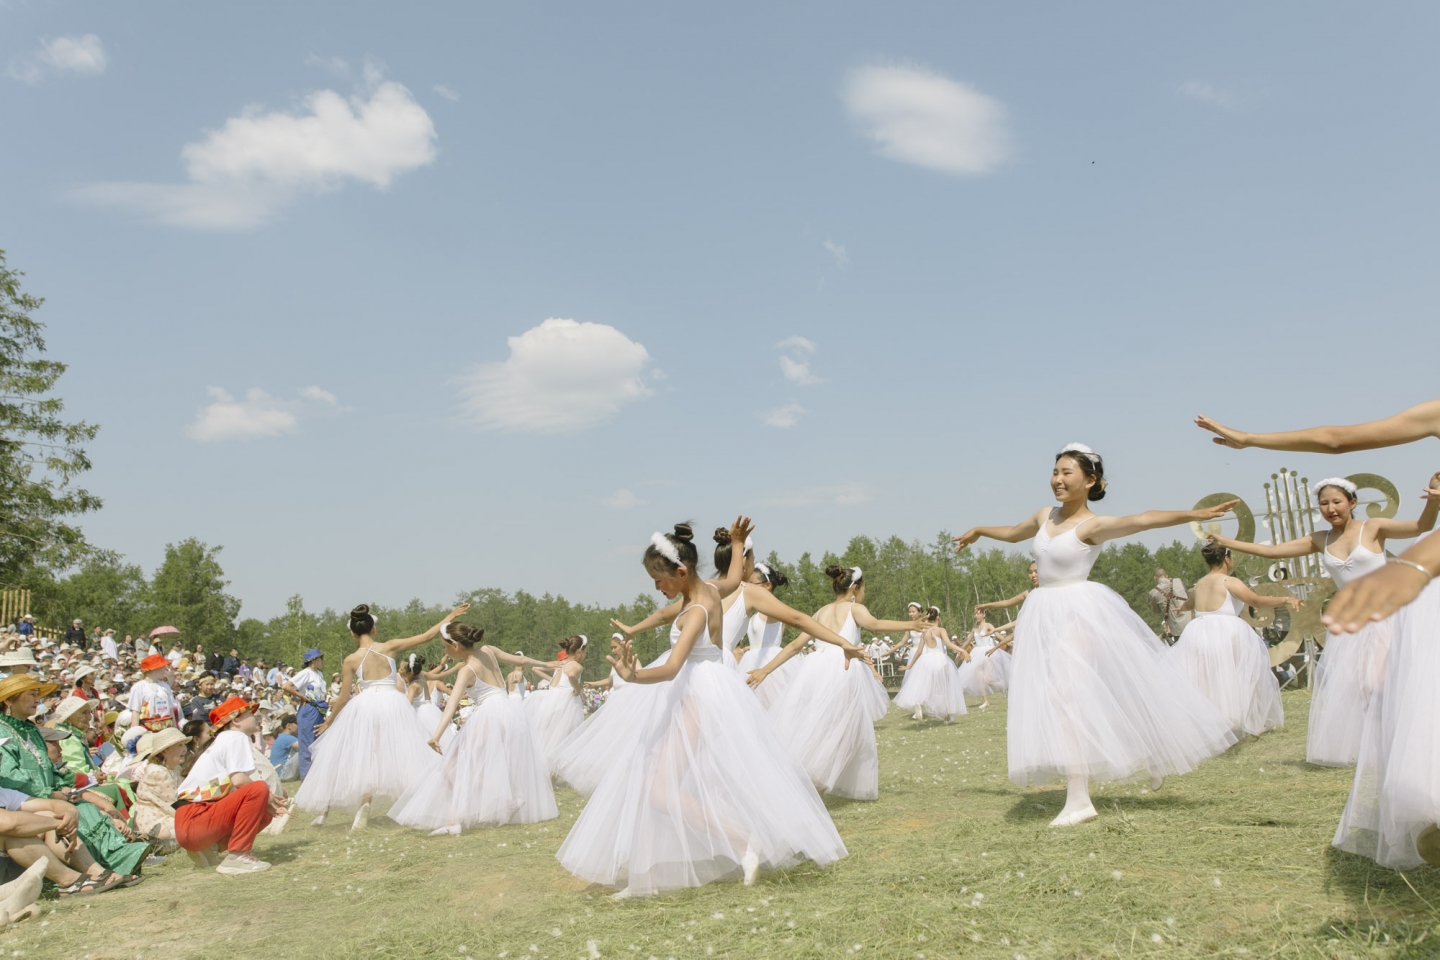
(1381, 893)
(1044, 806)
(286, 851)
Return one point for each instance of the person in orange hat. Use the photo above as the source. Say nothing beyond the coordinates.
(224, 800)
(151, 699)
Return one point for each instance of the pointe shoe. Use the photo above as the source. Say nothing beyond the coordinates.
(1072, 817)
(625, 894)
(1427, 844)
(451, 831)
(751, 865)
(985, 704)
(320, 820)
(362, 817)
(919, 714)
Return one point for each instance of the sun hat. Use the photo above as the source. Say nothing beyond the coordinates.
(12, 687)
(229, 710)
(312, 654)
(16, 658)
(158, 742)
(110, 717)
(51, 735)
(154, 662)
(84, 670)
(70, 706)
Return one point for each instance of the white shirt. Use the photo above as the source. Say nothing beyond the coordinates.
(174, 657)
(310, 683)
(142, 647)
(153, 700)
(229, 754)
(108, 649)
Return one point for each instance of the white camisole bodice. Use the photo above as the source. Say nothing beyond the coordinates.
(703, 648)
(733, 624)
(1063, 559)
(1229, 607)
(386, 681)
(1360, 562)
(764, 635)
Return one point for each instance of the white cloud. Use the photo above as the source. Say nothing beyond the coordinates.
(838, 252)
(445, 92)
(841, 495)
(81, 56)
(622, 500)
(319, 395)
(225, 418)
(920, 117)
(798, 372)
(243, 174)
(1204, 92)
(561, 376)
(797, 343)
(783, 417)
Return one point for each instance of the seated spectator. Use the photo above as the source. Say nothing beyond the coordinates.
(84, 680)
(37, 836)
(204, 700)
(19, 661)
(155, 788)
(26, 628)
(221, 802)
(285, 751)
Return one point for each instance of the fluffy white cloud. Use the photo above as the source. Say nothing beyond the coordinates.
(798, 372)
(838, 252)
(258, 415)
(1204, 92)
(840, 495)
(445, 92)
(81, 56)
(920, 117)
(797, 344)
(783, 417)
(622, 500)
(561, 376)
(244, 173)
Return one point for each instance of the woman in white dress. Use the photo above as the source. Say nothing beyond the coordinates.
(989, 666)
(427, 693)
(493, 771)
(1394, 802)
(827, 714)
(932, 681)
(1093, 692)
(1223, 654)
(1352, 667)
(581, 761)
(370, 744)
(765, 635)
(704, 793)
(556, 713)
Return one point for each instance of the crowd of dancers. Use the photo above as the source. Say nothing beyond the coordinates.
(710, 762)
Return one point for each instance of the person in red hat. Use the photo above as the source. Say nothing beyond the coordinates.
(151, 700)
(224, 800)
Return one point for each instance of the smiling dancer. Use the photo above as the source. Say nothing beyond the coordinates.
(1225, 657)
(1352, 667)
(932, 681)
(705, 793)
(371, 745)
(1093, 693)
(1394, 802)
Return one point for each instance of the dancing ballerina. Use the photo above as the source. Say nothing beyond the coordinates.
(373, 748)
(827, 714)
(427, 692)
(1016, 600)
(1093, 693)
(556, 712)
(493, 770)
(989, 663)
(704, 792)
(765, 635)
(932, 681)
(1394, 802)
(1352, 667)
(1225, 657)
(584, 756)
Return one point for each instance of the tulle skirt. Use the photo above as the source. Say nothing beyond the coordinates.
(1093, 692)
(877, 698)
(374, 747)
(703, 781)
(1396, 792)
(983, 675)
(595, 746)
(1228, 661)
(554, 714)
(769, 692)
(1350, 672)
(429, 716)
(933, 683)
(825, 719)
(492, 772)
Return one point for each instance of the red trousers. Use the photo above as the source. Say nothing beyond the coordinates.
(234, 820)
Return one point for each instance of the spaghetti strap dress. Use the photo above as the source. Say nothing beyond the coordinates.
(932, 682)
(1230, 664)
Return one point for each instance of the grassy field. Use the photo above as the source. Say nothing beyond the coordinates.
(952, 861)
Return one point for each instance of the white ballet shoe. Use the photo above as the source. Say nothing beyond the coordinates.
(919, 713)
(985, 704)
(1157, 780)
(950, 719)
(1070, 818)
(362, 817)
(751, 865)
(626, 894)
(320, 820)
(451, 831)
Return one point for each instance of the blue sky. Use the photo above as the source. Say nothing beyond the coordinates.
(848, 268)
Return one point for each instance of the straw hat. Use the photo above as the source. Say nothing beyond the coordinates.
(15, 658)
(70, 706)
(12, 687)
(152, 744)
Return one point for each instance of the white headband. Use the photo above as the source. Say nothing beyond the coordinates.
(1077, 448)
(617, 636)
(855, 574)
(763, 570)
(1340, 482)
(912, 603)
(445, 630)
(665, 548)
(584, 641)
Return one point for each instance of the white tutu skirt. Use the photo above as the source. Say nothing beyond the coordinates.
(877, 698)
(429, 716)
(825, 719)
(1396, 793)
(1093, 692)
(554, 714)
(933, 683)
(1350, 672)
(1228, 661)
(702, 782)
(374, 747)
(983, 675)
(769, 692)
(492, 772)
(594, 747)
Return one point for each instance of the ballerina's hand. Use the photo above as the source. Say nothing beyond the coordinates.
(458, 612)
(965, 539)
(1432, 490)
(756, 678)
(1227, 437)
(1217, 511)
(629, 631)
(1373, 597)
(1294, 603)
(741, 529)
(435, 745)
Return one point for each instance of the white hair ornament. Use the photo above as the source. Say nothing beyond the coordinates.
(665, 548)
(1340, 482)
(749, 544)
(584, 641)
(1078, 448)
(855, 574)
(444, 632)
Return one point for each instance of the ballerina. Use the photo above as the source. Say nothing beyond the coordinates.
(827, 714)
(374, 748)
(704, 793)
(765, 635)
(555, 713)
(931, 679)
(1223, 654)
(427, 693)
(1093, 694)
(1394, 802)
(493, 770)
(583, 758)
(1352, 668)
(989, 663)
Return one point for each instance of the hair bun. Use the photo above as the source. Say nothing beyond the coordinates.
(722, 536)
(361, 610)
(835, 573)
(684, 532)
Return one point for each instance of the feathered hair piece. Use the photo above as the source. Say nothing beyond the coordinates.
(912, 603)
(444, 632)
(1079, 448)
(584, 641)
(855, 574)
(763, 570)
(665, 548)
(1340, 482)
(749, 544)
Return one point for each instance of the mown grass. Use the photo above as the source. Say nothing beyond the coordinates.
(952, 861)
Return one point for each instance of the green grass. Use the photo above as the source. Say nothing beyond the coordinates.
(952, 861)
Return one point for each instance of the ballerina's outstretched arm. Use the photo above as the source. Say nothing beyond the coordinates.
(1099, 529)
(1387, 529)
(1014, 601)
(622, 656)
(1407, 426)
(1023, 530)
(757, 677)
(1313, 543)
(1242, 592)
(400, 645)
(763, 601)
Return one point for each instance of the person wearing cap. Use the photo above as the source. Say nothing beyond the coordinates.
(284, 751)
(223, 800)
(26, 766)
(151, 699)
(75, 635)
(308, 686)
